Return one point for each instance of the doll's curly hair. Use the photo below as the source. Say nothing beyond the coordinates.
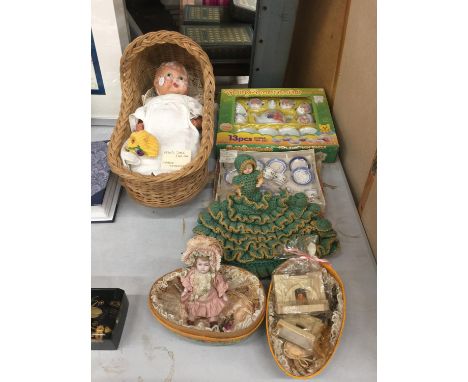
(171, 64)
(203, 246)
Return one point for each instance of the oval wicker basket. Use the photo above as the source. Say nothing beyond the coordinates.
(338, 279)
(137, 66)
(193, 333)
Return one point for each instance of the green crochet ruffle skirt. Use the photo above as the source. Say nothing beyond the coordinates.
(253, 231)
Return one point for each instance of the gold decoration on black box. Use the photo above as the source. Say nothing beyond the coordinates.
(108, 310)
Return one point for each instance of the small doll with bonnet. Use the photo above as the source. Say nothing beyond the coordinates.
(168, 121)
(204, 294)
(250, 179)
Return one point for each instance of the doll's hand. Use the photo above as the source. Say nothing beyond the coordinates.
(184, 293)
(260, 181)
(238, 191)
(140, 125)
(197, 122)
(225, 298)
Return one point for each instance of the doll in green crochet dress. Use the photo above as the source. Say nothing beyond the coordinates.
(254, 226)
(249, 180)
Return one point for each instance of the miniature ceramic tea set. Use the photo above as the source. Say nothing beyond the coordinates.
(281, 118)
(291, 171)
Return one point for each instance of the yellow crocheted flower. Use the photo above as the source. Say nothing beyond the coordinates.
(143, 143)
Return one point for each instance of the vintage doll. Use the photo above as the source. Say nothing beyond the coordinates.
(204, 294)
(249, 179)
(254, 226)
(172, 117)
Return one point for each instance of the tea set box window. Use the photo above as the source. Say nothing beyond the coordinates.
(276, 119)
(109, 308)
(291, 170)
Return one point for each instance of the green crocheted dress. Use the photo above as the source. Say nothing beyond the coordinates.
(254, 227)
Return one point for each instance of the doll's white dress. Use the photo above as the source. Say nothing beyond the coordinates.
(167, 117)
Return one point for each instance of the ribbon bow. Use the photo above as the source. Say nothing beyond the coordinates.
(303, 254)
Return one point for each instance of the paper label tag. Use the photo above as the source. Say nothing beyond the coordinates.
(227, 156)
(318, 99)
(175, 159)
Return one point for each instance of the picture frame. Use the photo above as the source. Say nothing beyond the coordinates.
(300, 293)
(97, 84)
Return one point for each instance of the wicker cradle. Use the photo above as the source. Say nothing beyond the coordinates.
(137, 67)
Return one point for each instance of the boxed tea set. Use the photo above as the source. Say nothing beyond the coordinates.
(276, 120)
(266, 220)
(293, 171)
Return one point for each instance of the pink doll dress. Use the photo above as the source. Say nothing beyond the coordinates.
(209, 305)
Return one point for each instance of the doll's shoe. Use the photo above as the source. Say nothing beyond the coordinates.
(190, 322)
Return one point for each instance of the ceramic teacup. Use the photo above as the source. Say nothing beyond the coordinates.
(268, 173)
(280, 179)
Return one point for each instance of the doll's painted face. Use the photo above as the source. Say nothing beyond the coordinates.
(248, 169)
(171, 79)
(203, 265)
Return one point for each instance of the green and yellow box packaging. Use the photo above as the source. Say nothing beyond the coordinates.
(276, 119)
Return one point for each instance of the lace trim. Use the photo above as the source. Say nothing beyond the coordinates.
(239, 281)
(307, 365)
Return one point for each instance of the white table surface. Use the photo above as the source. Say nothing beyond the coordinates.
(145, 243)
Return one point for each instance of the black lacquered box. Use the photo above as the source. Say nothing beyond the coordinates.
(109, 308)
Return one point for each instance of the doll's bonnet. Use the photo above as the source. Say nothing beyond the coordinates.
(242, 160)
(205, 246)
